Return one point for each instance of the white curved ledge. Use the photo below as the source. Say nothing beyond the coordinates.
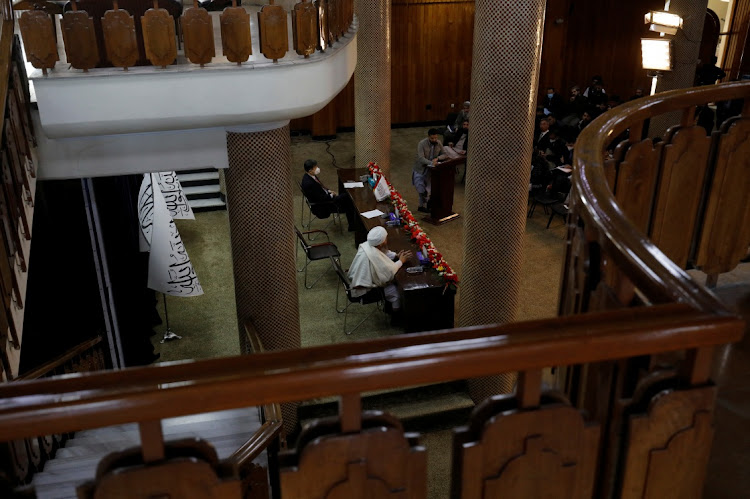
(181, 97)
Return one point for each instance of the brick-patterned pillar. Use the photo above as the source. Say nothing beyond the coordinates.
(372, 84)
(686, 46)
(261, 227)
(505, 73)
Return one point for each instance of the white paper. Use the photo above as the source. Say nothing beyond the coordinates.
(353, 185)
(372, 213)
(169, 267)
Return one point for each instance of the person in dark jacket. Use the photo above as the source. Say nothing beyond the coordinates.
(323, 200)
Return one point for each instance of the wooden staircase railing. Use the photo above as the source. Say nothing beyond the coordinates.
(152, 393)
(113, 36)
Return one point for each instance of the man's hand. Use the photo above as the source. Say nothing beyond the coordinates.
(434, 162)
(461, 152)
(404, 256)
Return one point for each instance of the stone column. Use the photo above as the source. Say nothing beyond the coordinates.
(372, 84)
(259, 202)
(505, 72)
(685, 49)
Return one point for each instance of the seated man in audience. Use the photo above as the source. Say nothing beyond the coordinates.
(541, 139)
(463, 115)
(324, 200)
(458, 142)
(374, 267)
(429, 152)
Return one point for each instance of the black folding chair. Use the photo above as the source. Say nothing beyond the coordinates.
(374, 295)
(315, 252)
(335, 216)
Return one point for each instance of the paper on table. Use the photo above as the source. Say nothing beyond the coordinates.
(372, 213)
(352, 185)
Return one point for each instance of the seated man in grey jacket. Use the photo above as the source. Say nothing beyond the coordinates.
(429, 152)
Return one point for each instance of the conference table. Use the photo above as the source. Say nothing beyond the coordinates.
(427, 304)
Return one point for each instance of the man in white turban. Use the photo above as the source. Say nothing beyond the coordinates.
(374, 267)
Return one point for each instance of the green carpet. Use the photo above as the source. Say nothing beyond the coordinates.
(208, 324)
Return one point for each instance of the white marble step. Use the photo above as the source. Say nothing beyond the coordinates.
(194, 177)
(206, 203)
(202, 189)
(77, 461)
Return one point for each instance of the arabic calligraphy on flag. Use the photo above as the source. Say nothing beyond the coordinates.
(169, 268)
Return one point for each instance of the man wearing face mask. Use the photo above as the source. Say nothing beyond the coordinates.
(323, 200)
(553, 103)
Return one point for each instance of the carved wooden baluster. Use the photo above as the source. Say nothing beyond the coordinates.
(305, 28)
(333, 21)
(18, 129)
(80, 39)
(118, 27)
(15, 211)
(341, 19)
(17, 168)
(322, 7)
(236, 44)
(272, 26)
(198, 34)
(158, 36)
(38, 35)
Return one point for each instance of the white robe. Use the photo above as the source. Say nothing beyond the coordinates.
(371, 268)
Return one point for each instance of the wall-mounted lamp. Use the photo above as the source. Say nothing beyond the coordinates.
(663, 22)
(656, 54)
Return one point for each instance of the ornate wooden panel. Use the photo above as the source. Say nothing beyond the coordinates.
(725, 236)
(305, 28)
(118, 27)
(158, 36)
(681, 184)
(190, 470)
(235, 34)
(198, 34)
(80, 39)
(322, 6)
(38, 35)
(378, 461)
(272, 27)
(636, 182)
(507, 452)
(668, 446)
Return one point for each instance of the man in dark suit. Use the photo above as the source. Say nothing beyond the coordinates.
(324, 201)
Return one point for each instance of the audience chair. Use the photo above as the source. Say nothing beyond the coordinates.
(375, 296)
(560, 209)
(315, 252)
(545, 199)
(335, 215)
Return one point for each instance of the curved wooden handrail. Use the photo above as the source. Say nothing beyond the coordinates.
(6, 54)
(53, 364)
(271, 428)
(29, 408)
(645, 265)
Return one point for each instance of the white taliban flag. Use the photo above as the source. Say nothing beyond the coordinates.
(169, 267)
(174, 197)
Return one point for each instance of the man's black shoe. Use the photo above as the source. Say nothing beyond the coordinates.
(424, 210)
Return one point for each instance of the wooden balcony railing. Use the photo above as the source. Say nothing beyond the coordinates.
(632, 349)
(17, 193)
(125, 33)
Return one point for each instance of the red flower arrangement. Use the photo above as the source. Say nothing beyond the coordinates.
(416, 233)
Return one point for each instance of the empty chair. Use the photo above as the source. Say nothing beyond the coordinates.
(560, 209)
(375, 296)
(314, 252)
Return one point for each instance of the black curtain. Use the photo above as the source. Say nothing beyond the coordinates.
(62, 307)
(116, 199)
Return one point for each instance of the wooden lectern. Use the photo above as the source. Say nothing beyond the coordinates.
(441, 199)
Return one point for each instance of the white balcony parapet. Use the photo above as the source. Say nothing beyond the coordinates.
(184, 96)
